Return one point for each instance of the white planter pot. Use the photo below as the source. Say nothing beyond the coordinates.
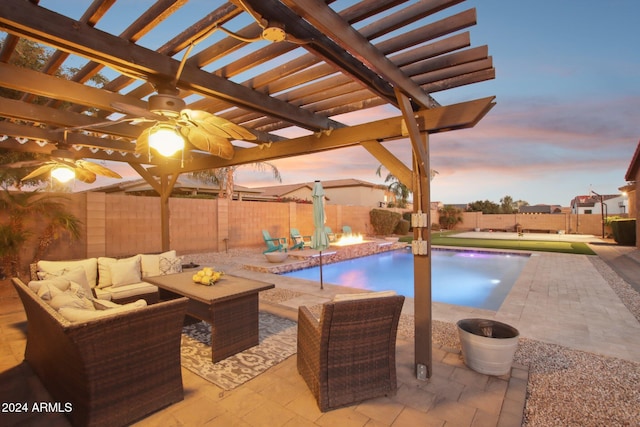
(276, 256)
(488, 346)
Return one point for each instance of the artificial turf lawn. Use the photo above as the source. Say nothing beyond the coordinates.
(523, 245)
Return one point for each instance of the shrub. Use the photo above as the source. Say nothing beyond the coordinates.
(384, 222)
(449, 217)
(624, 231)
(403, 227)
(407, 217)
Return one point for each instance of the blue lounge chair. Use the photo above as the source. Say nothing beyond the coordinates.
(330, 234)
(279, 244)
(346, 230)
(299, 241)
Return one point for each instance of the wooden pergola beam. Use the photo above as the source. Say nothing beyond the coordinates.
(455, 116)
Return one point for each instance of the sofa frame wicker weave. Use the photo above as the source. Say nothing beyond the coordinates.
(113, 370)
(348, 355)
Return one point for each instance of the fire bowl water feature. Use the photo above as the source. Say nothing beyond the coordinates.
(348, 239)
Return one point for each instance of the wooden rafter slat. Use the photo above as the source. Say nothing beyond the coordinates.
(446, 61)
(455, 71)
(19, 110)
(463, 80)
(405, 17)
(31, 81)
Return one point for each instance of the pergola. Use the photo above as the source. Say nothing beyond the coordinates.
(266, 65)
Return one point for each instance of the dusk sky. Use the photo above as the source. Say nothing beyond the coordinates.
(567, 90)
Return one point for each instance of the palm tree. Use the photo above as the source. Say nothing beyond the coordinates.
(224, 177)
(398, 189)
(20, 207)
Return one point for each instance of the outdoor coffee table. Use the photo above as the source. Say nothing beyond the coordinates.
(230, 306)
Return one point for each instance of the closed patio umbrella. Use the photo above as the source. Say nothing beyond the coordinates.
(319, 239)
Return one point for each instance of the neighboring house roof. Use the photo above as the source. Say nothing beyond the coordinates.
(590, 201)
(183, 183)
(547, 209)
(632, 172)
(283, 190)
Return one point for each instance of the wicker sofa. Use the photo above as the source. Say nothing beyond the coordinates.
(113, 370)
(349, 354)
(120, 280)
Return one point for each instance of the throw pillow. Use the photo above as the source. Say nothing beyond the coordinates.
(90, 266)
(77, 275)
(104, 272)
(367, 295)
(125, 272)
(59, 282)
(170, 265)
(48, 291)
(71, 299)
(104, 269)
(151, 263)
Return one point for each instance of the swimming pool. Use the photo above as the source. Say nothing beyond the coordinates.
(469, 278)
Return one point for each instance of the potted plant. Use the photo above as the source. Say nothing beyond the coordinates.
(488, 346)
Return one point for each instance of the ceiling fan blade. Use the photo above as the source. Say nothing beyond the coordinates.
(85, 175)
(136, 111)
(97, 169)
(40, 171)
(217, 125)
(205, 141)
(142, 142)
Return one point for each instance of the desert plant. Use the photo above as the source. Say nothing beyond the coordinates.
(19, 208)
(450, 216)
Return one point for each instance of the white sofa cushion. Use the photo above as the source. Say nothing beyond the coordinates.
(90, 266)
(83, 315)
(366, 295)
(125, 291)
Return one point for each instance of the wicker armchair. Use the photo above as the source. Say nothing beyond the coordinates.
(349, 354)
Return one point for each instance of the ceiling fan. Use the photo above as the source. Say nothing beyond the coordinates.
(202, 130)
(64, 160)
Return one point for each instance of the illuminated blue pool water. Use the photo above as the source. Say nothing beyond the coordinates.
(468, 278)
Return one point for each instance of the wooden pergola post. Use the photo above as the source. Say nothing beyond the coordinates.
(421, 261)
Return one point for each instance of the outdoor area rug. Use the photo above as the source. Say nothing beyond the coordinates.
(277, 342)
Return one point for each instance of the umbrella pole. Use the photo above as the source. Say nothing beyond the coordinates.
(321, 286)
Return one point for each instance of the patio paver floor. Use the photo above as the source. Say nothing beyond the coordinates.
(558, 299)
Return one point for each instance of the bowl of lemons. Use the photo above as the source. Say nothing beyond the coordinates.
(207, 276)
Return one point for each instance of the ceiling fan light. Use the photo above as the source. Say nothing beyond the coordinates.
(63, 173)
(165, 139)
